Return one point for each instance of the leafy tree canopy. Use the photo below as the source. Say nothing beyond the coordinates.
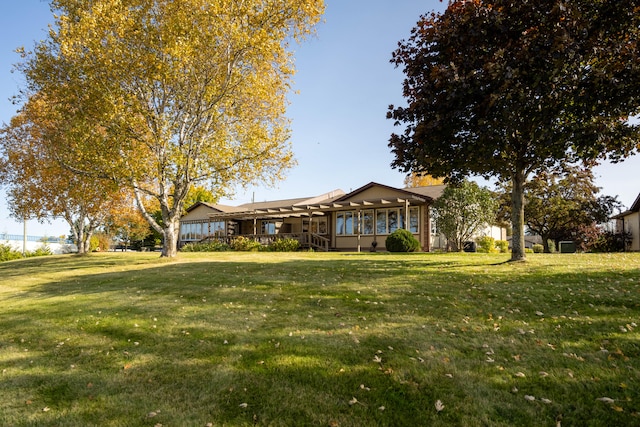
(462, 211)
(161, 95)
(509, 88)
(39, 187)
(559, 205)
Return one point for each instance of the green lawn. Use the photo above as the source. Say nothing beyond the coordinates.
(315, 339)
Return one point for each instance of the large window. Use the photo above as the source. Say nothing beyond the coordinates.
(346, 223)
(217, 228)
(389, 220)
(318, 225)
(199, 230)
(414, 219)
(367, 222)
(382, 221)
(268, 227)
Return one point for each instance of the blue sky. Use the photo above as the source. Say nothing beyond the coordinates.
(345, 84)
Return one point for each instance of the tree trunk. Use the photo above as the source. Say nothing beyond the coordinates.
(545, 243)
(517, 217)
(170, 243)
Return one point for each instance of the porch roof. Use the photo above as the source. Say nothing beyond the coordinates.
(318, 208)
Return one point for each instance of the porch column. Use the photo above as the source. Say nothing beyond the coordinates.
(358, 226)
(406, 214)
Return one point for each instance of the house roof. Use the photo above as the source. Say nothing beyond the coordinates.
(220, 208)
(284, 207)
(420, 194)
(300, 201)
(432, 191)
(635, 207)
(334, 200)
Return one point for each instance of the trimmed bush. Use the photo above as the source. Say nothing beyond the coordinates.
(241, 243)
(487, 245)
(284, 245)
(212, 246)
(552, 246)
(538, 248)
(503, 246)
(402, 240)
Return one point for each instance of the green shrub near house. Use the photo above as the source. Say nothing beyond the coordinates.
(487, 245)
(284, 245)
(211, 246)
(244, 244)
(402, 240)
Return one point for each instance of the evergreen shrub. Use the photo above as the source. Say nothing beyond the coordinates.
(402, 240)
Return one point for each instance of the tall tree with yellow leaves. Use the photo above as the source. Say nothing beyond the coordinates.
(161, 95)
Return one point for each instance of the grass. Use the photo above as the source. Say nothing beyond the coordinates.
(313, 339)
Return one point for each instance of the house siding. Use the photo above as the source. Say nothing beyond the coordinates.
(632, 224)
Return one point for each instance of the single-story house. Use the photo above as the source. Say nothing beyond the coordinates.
(357, 221)
(629, 221)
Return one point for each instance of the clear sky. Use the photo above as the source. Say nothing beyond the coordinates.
(345, 84)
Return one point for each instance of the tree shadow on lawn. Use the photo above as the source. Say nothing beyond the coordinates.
(297, 342)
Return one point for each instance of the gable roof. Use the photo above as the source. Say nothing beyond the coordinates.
(635, 207)
(420, 194)
(219, 208)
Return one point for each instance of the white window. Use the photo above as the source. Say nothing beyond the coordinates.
(367, 222)
(389, 220)
(346, 223)
(268, 227)
(414, 219)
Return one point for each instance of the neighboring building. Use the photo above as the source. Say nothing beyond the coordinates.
(629, 221)
(331, 221)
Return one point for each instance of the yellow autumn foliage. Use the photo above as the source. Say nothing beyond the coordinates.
(182, 92)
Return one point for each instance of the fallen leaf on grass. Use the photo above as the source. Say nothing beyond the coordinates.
(243, 405)
(529, 398)
(520, 374)
(547, 401)
(439, 405)
(605, 399)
